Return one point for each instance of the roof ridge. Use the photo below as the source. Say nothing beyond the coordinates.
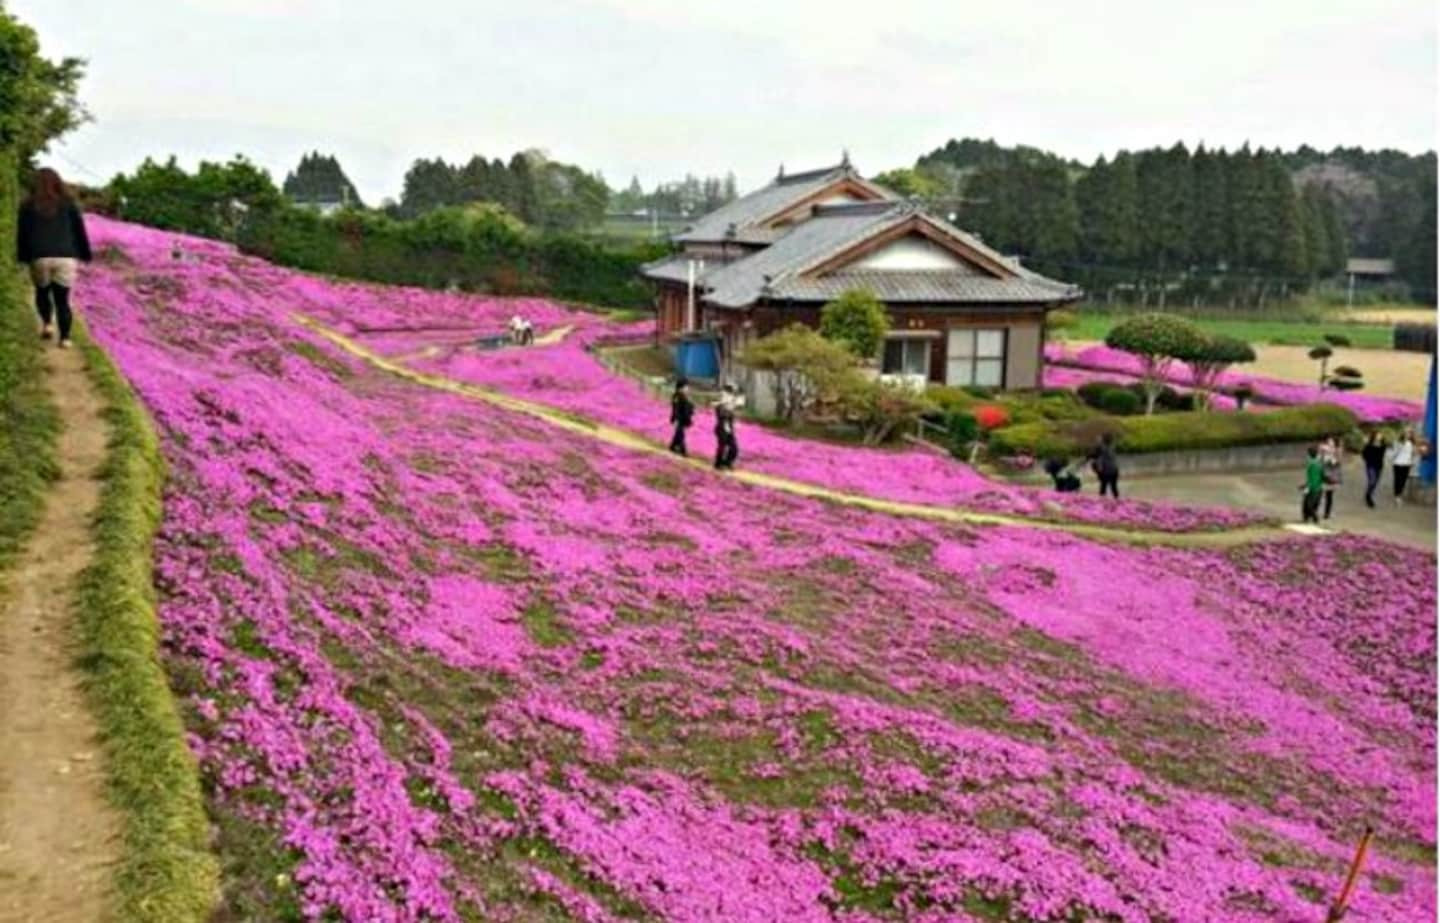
(785, 179)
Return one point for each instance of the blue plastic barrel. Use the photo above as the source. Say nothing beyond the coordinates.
(697, 355)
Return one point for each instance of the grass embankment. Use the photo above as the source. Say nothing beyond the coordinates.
(1280, 332)
(167, 873)
(29, 423)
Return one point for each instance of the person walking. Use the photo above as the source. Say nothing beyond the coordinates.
(726, 448)
(1106, 466)
(1373, 454)
(50, 237)
(1313, 486)
(1402, 458)
(1332, 470)
(682, 414)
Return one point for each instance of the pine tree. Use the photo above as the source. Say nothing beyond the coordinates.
(1209, 229)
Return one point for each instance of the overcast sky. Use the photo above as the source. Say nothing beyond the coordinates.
(661, 87)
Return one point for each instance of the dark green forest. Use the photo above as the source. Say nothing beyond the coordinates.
(1241, 226)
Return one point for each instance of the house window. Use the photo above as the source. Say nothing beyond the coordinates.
(906, 357)
(976, 357)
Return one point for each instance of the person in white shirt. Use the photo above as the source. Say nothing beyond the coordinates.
(1402, 458)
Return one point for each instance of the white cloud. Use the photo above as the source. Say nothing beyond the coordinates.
(659, 87)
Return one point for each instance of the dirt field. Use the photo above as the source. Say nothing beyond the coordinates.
(1386, 315)
(1387, 373)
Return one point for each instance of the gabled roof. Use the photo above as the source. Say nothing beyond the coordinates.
(809, 263)
(744, 219)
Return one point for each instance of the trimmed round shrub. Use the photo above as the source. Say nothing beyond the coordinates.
(1092, 391)
(1121, 402)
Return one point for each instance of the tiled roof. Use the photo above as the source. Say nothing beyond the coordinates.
(941, 286)
(736, 220)
(779, 270)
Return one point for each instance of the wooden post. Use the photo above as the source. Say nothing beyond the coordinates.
(1342, 903)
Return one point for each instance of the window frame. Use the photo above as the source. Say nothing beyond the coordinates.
(974, 359)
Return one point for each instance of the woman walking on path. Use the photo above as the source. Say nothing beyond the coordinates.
(1374, 456)
(1331, 470)
(682, 414)
(50, 237)
(1106, 466)
(1401, 460)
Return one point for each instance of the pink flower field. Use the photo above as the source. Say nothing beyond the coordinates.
(444, 661)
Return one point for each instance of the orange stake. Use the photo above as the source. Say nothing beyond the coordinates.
(1342, 903)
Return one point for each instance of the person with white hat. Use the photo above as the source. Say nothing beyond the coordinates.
(726, 447)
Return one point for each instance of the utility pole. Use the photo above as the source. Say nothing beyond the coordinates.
(1350, 293)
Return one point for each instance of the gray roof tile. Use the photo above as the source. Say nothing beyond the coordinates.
(745, 211)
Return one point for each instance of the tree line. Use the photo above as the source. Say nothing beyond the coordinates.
(477, 247)
(686, 198)
(1241, 225)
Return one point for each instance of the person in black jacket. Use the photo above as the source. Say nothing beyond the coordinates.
(1106, 466)
(1373, 455)
(50, 237)
(682, 414)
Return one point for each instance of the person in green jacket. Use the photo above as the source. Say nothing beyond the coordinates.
(1313, 487)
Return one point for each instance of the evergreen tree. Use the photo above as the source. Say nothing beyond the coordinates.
(319, 178)
(1209, 229)
(1165, 199)
(429, 184)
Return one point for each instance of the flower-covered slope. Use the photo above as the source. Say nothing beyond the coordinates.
(444, 662)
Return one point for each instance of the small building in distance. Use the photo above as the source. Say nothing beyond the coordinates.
(1370, 269)
(960, 313)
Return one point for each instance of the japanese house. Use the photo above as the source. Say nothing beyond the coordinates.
(960, 313)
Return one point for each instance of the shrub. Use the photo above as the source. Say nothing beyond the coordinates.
(962, 430)
(949, 399)
(1209, 357)
(810, 368)
(991, 417)
(979, 391)
(878, 408)
(1414, 338)
(1348, 371)
(1176, 431)
(1156, 340)
(1093, 392)
(1335, 339)
(857, 320)
(1121, 402)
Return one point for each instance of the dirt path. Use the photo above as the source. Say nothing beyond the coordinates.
(58, 834)
(626, 439)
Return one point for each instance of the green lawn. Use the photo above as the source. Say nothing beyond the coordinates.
(1276, 332)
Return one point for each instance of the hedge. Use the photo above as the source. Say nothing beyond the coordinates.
(1175, 431)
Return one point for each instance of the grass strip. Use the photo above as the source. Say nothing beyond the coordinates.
(167, 871)
(29, 422)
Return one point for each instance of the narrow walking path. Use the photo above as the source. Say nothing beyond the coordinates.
(59, 837)
(626, 439)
